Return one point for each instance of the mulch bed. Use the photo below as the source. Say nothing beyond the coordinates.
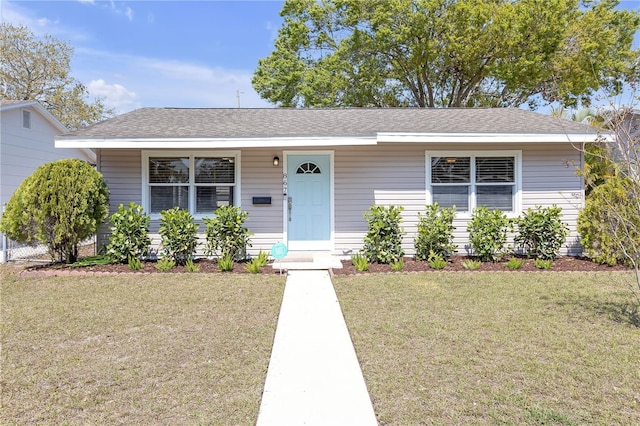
(561, 264)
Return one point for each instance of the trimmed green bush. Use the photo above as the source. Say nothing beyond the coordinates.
(541, 232)
(383, 242)
(178, 234)
(488, 234)
(129, 233)
(226, 235)
(61, 204)
(435, 232)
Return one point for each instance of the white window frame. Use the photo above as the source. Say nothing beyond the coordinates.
(146, 192)
(517, 193)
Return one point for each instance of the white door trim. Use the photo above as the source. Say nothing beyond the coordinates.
(311, 245)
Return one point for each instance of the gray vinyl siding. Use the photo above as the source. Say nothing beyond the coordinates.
(385, 174)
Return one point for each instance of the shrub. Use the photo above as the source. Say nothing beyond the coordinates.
(226, 235)
(165, 264)
(514, 263)
(543, 263)
(383, 242)
(129, 233)
(488, 233)
(398, 265)
(609, 225)
(191, 267)
(435, 232)
(541, 232)
(253, 266)
(61, 204)
(471, 264)
(178, 234)
(360, 262)
(436, 261)
(258, 262)
(225, 264)
(262, 259)
(134, 263)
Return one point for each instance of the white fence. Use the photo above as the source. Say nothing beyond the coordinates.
(14, 251)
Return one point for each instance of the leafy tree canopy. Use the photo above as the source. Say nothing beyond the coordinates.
(39, 69)
(448, 53)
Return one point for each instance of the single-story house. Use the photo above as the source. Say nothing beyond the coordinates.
(306, 176)
(27, 132)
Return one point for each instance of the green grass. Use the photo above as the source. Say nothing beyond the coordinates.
(143, 349)
(496, 348)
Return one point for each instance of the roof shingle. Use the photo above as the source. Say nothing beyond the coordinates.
(180, 123)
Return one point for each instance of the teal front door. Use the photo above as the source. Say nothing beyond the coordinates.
(309, 202)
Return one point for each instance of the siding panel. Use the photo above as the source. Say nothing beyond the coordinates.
(386, 174)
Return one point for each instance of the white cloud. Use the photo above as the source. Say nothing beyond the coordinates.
(115, 95)
(12, 13)
(129, 13)
(164, 83)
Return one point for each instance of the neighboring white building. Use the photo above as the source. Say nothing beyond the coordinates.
(27, 132)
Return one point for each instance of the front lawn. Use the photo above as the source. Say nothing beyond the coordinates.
(136, 349)
(496, 348)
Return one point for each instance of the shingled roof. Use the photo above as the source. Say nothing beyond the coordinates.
(185, 123)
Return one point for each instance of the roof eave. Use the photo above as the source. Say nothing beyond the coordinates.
(277, 142)
(210, 143)
(389, 137)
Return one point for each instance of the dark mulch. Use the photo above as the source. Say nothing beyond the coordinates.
(206, 266)
(561, 264)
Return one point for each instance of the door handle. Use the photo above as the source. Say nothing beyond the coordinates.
(289, 206)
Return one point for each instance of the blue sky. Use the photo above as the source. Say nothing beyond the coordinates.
(159, 53)
(163, 53)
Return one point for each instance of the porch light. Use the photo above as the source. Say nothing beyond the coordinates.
(451, 160)
(276, 160)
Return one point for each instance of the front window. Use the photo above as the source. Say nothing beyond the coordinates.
(470, 181)
(198, 183)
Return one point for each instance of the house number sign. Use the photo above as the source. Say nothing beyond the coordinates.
(278, 251)
(284, 184)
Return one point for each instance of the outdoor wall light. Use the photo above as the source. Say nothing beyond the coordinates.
(276, 160)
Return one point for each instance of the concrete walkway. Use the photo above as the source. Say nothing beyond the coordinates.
(314, 377)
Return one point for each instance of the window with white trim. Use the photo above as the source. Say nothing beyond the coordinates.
(200, 182)
(467, 181)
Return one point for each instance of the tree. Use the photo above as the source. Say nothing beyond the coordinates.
(598, 167)
(61, 204)
(39, 69)
(448, 53)
(609, 225)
